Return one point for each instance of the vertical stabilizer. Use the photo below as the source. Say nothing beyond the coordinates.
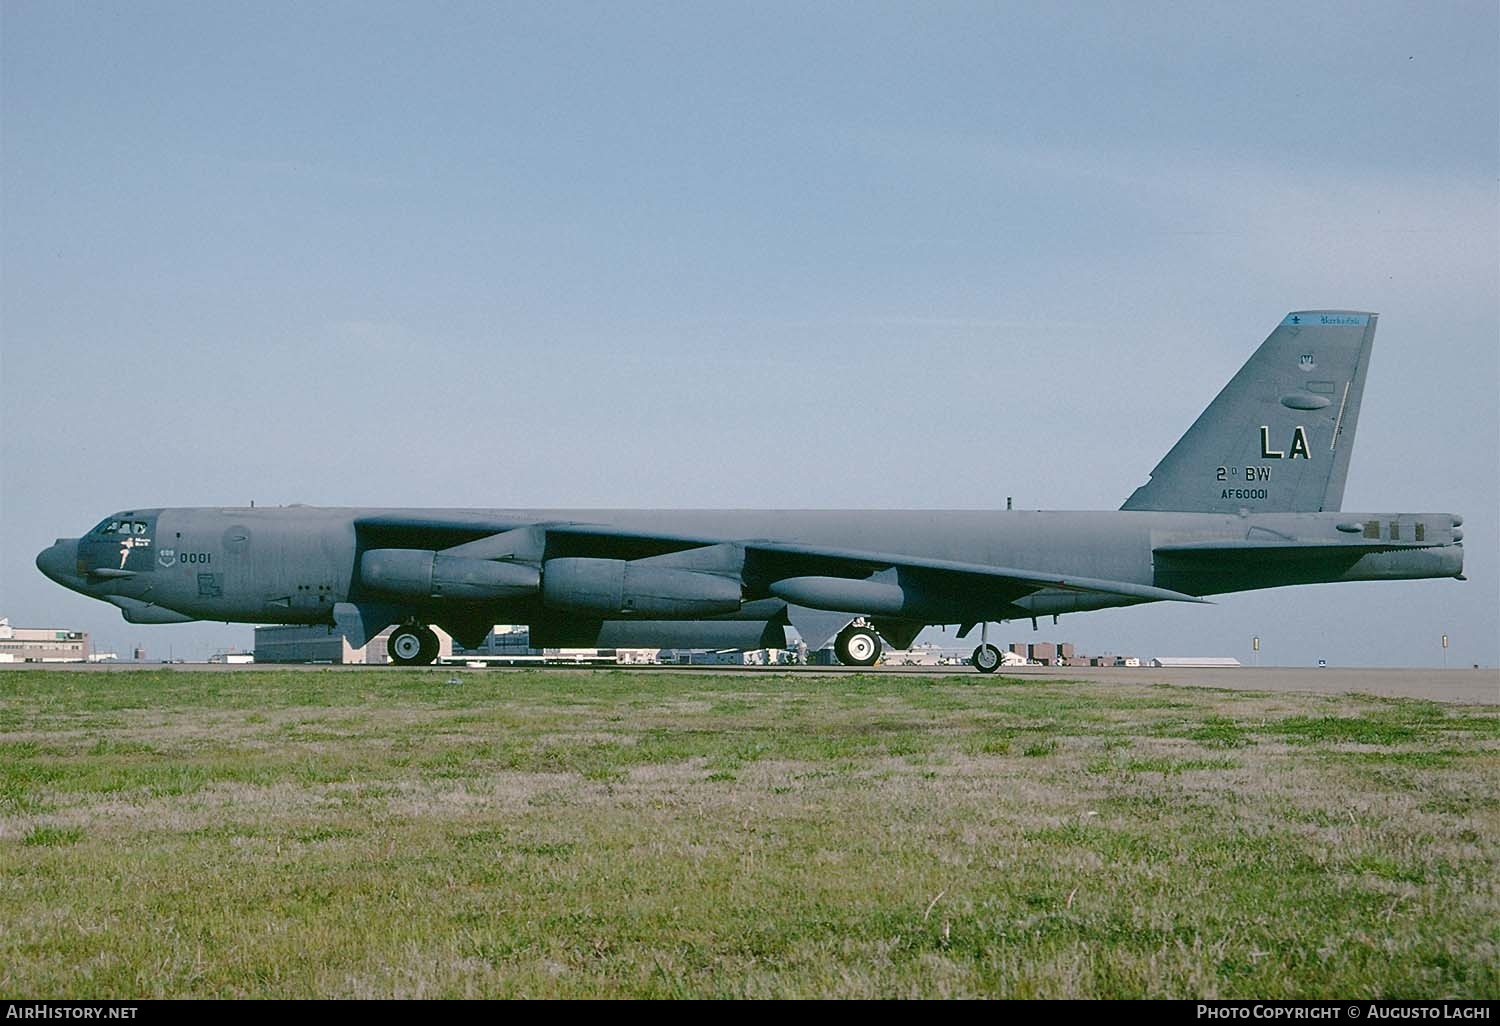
(1277, 439)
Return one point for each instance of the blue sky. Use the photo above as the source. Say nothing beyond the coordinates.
(740, 255)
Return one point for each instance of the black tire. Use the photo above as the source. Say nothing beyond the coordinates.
(858, 645)
(986, 659)
(407, 646)
(430, 646)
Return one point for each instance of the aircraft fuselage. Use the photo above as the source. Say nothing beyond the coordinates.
(293, 565)
(1244, 500)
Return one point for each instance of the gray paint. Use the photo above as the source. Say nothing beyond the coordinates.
(725, 575)
(300, 562)
(1284, 425)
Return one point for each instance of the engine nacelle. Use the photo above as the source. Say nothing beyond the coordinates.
(615, 587)
(425, 574)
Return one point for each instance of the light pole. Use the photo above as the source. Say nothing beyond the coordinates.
(1255, 650)
(1445, 651)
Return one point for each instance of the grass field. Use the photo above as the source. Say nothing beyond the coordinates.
(388, 833)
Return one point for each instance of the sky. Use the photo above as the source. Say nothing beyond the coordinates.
(741, 255)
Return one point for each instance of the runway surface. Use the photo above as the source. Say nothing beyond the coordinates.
(1467, 686)
(1477, 687)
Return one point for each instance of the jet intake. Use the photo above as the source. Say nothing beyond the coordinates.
(425, 574)
(611, 587)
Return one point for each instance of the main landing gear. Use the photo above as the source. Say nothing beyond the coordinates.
(412, 644)
(857, 645)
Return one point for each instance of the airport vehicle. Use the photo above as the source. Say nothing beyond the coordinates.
(1248, 498)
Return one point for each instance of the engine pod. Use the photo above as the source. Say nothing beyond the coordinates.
(425, 574)
(614, 587)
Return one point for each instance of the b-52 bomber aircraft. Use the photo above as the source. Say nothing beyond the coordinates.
(1248, 498)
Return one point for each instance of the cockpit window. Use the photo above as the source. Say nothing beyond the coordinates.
(114, 526)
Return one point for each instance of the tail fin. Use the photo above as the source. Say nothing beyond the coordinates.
(1277, 439)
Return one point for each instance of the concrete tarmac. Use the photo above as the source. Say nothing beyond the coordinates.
(1467, 686)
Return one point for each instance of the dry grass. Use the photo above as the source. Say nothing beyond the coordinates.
(549, 834)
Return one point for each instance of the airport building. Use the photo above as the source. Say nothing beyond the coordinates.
(505, 645)
(725, 657)
(232, 658)
(298, 643)
(1047, 653)
(42, 645)
(510, 645)
(1197, 662)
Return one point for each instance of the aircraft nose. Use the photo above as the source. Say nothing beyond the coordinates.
(59, 561)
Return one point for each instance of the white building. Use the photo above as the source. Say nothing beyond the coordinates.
(42, 644)
(1195, 661)
(232, 658)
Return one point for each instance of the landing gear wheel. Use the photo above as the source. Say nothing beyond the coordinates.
(857, 645)
(412, 646)
(986, 659)
(430, 646)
